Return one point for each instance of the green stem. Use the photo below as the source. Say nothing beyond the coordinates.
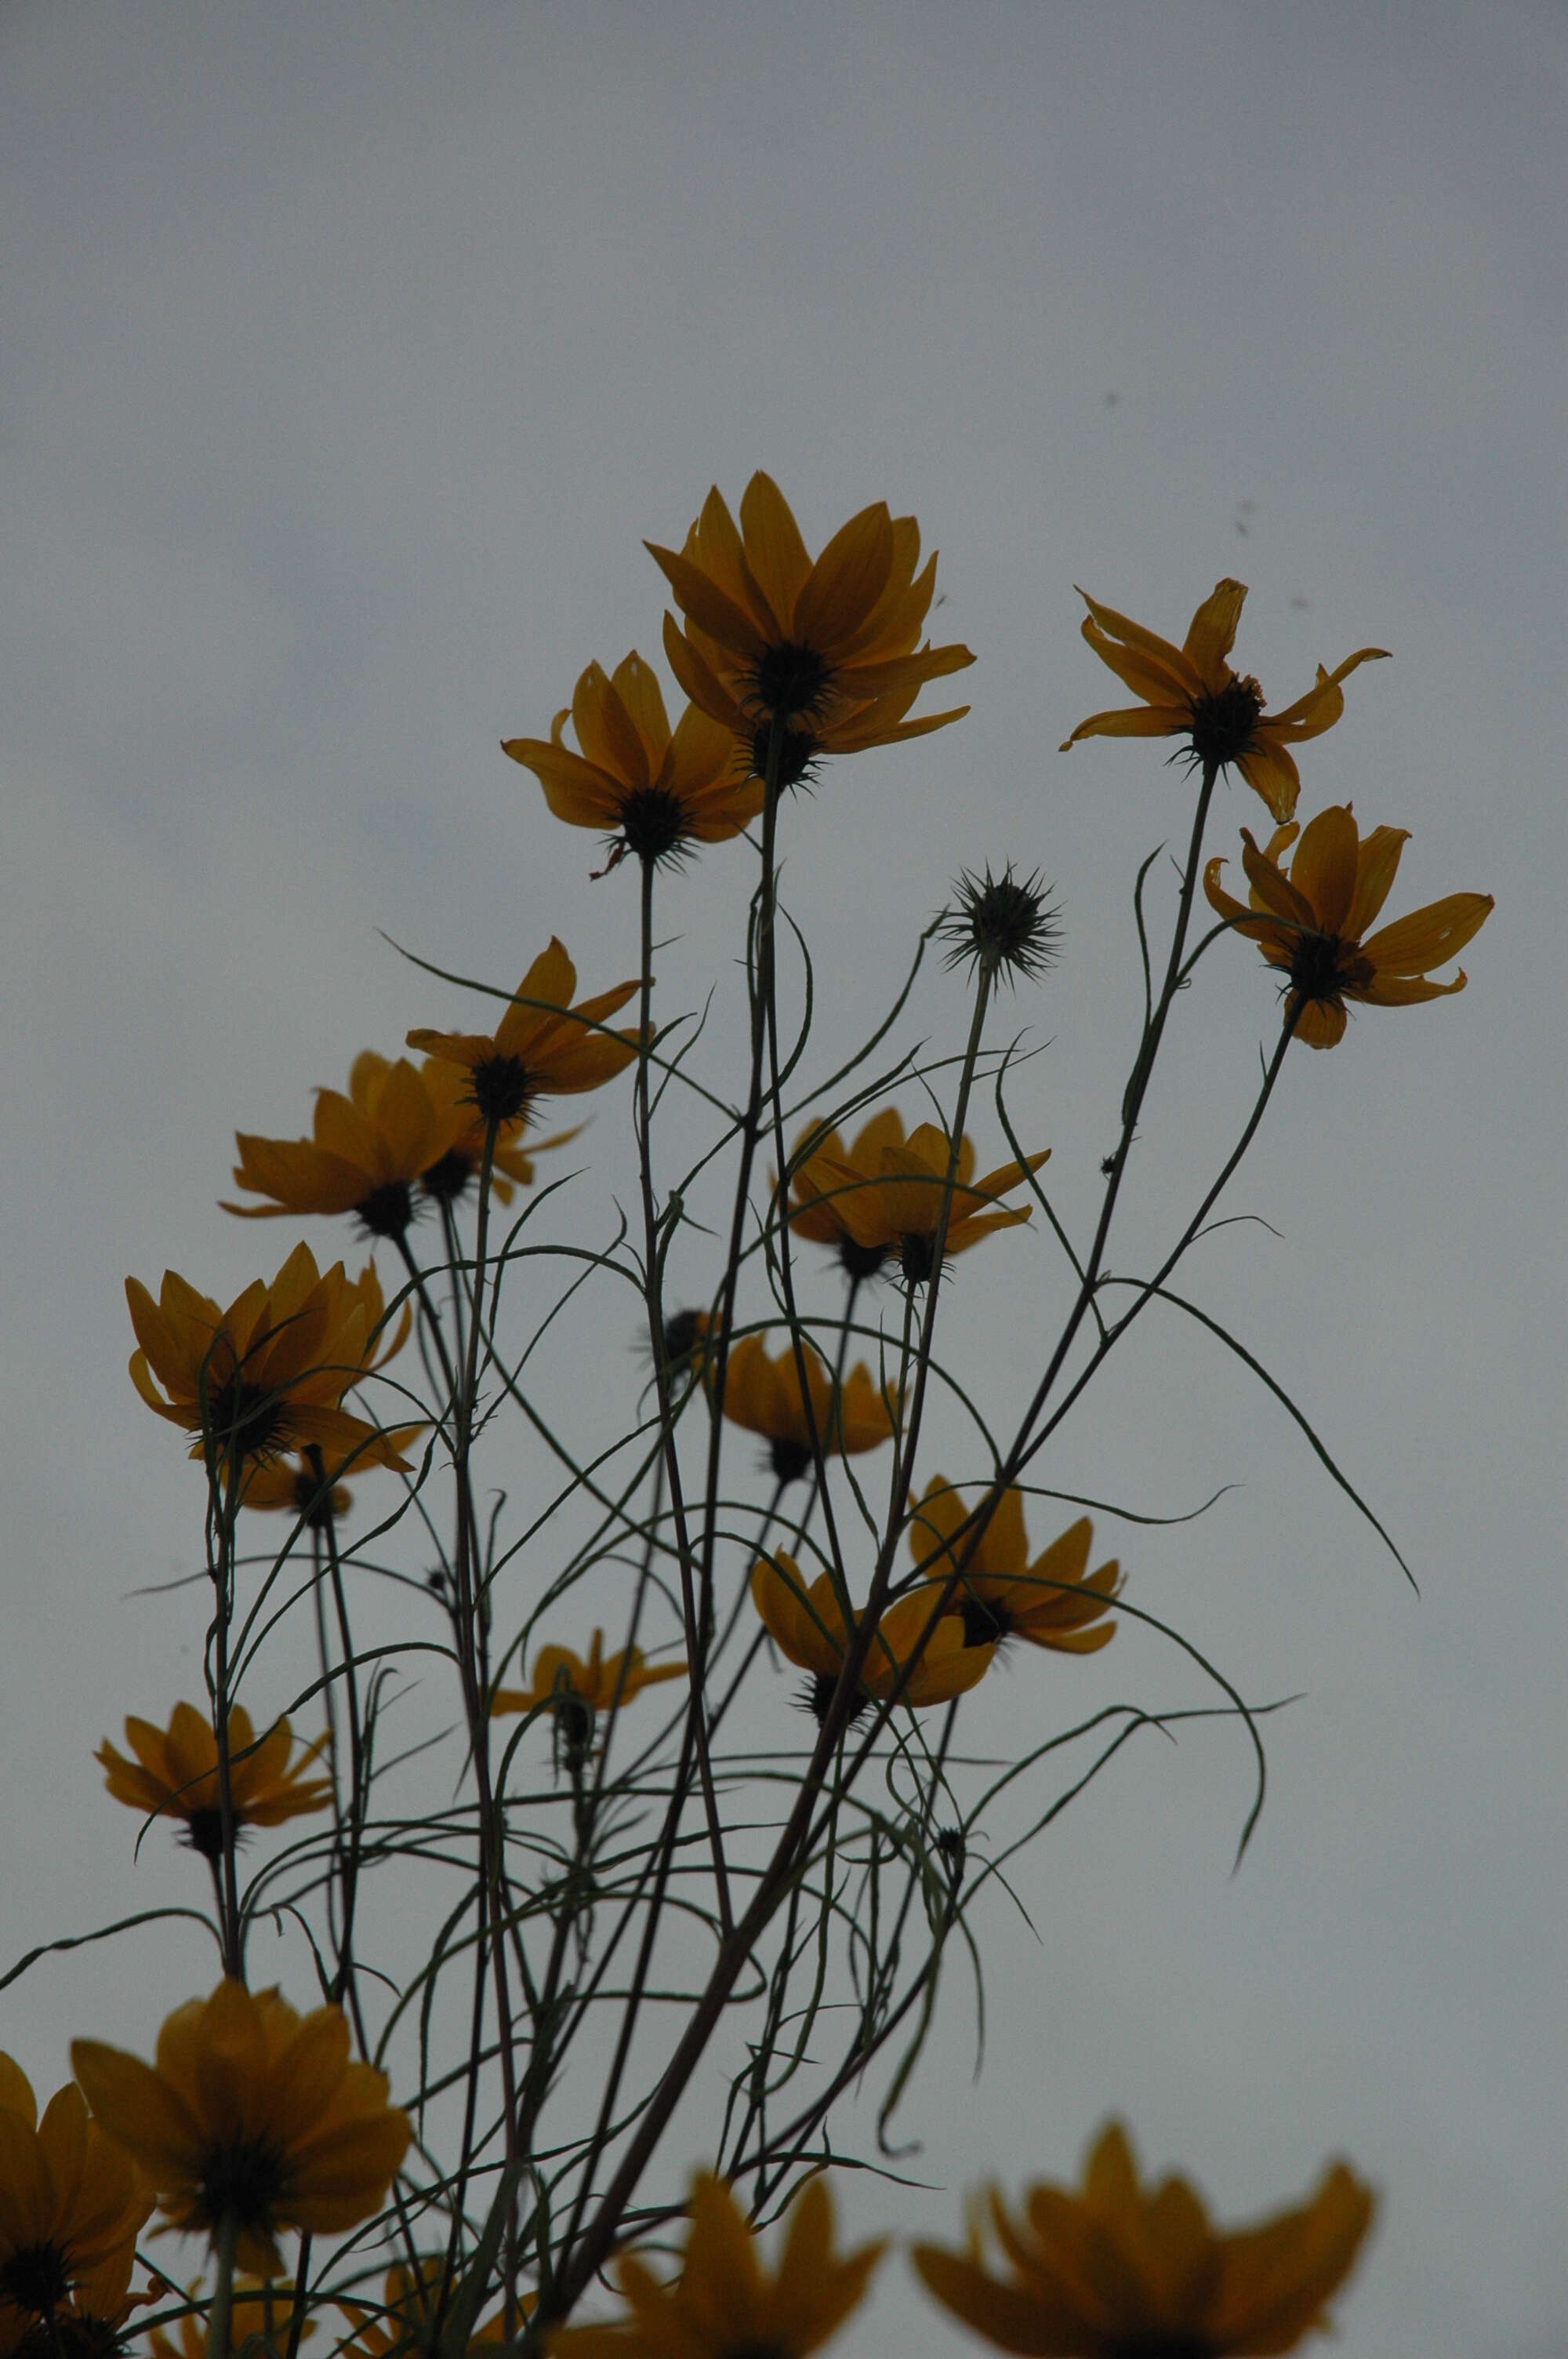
(218, 2317)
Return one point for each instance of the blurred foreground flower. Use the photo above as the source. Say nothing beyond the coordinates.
(1310, 923)
(253, 2114)
(724, 2303)
(542, 1047)
(764, 1395)
(71, 2207)
(891, 1198)
(826, 650)
(409, 2319)
(652, 792)
(576, 1690)
(266, 1374)
(175, 1775)
(1118, 2270)
(807, 1623)
(1191, 691)
(1051, 1602)
(261, 2310)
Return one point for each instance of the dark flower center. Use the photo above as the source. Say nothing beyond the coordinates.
(797, 751)
(387, 1210)
(446, 1180)
(916, 1254)
(1224, 723)
(818, 1696)
(502, 1087)
(250, 1420)
(574, 1724)
(37, 2278)
(790, 679)
(313, 1497)
(70, 2334)
(242, 2182)
(754, 2350)
(987, 1621)
(652, 823)
(1321, 966)
(859, 1261)
(788, 1458)
(1161, 2347)
(683, 1331)
(204, 1831)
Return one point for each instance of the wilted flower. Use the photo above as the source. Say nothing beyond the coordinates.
(764, 1395)
(651, 792)
(251, 2114)
(1116, 2269)
(1002, 926)
(542, 1047)
(1191, 691)
(891, 1198)
(724, 2303)
(266, 1374)
(827, 650)
(1310, 923)
(1055, 1602)
(175, 1775)
(805, 1622)
(71, 2207)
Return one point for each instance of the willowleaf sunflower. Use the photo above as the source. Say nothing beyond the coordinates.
(653, 792)
(1118, 2271)
(409, 2319)
(1055, 1602)
(725, 2304)
(889, 1199)
(576, 1691)
(269, 1372)
(174, 1775)
(1191, 691)
(806, 1620)
(251, 2113)
(764, 1397)
(542, 1047)
(70, 2208)
(261, 2311)
(296, 1487)
(825, 650)
(1312, 923)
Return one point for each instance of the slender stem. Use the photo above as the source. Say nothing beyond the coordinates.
(219, 2316)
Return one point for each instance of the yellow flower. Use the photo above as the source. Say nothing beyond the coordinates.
(1055, 1602)
(764, 1397)
(298, 1488)
(652, 792)
(890, 1197)
(807, 1623)
(510, 1168)
(1118, 2269)
(409, 2320)
(251, 2113)
(725, 2303)
(175, 1775)
(370, 1151)
(576, 1690)
(268, 1374)
(260, 2310)
(1191, 691)
(816, 1216)
(71, 2207)
(1310, 923)
(542, 1047)
(828, 651)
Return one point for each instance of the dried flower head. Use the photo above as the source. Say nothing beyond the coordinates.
(1002, 926)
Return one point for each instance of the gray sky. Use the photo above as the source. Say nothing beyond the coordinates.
(350, 355)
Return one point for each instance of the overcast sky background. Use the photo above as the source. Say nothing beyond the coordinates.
(350, 354)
